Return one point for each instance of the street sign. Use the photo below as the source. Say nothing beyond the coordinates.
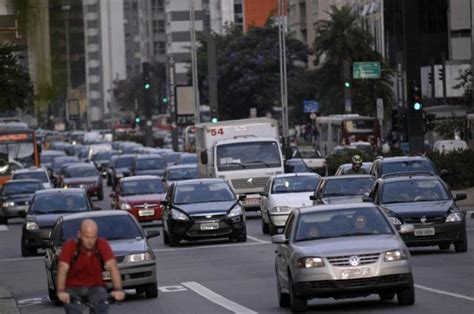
(366, 70)
(380, 112)
(310, 106)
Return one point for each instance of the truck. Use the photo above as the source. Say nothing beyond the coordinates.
(246, 153)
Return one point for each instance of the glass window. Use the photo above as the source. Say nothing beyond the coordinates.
(182, 173)
(354, 126)
(110, 228)
(151, 163)
(408, 166)
(125, 162)
(55, 203)
(254, 155)
(203, 192)
(347, 186)
(80, 172)
(323, 132)
(35, 175)
(414, 191)
(21, 188)
(295, 184)
(141, 187)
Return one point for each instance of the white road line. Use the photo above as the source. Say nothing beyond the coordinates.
(3, 228)
(23, 259)
(257, 239)
(213, 246)
(217, 298)
(451, 294)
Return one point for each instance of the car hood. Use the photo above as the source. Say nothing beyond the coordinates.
(421, 208)
(201, 208)
(153, 172)
(293, 199)
(349, 245)
(17, 197)
(141, 199)
(86, 180)
(47, 220)
(128, 246)
(342, 199)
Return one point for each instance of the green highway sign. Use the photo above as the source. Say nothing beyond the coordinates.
(366, 70)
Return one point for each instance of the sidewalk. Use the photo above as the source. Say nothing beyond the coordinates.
(8, 303)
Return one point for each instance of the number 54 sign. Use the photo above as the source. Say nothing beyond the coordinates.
(216, 131)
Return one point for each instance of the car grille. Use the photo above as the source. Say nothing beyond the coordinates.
(435, 237)
(358, 283)
(258, 183)
(429, 219)
(209, 217)
(365, 259)
(217, 232)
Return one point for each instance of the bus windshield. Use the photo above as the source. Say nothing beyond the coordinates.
(18, 147)
(359, 126)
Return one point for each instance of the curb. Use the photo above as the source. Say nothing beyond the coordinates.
(8, 303)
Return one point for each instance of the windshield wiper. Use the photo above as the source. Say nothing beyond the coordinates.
(258, 161)
(352, 234)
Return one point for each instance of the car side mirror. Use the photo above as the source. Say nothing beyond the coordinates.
(242, 197)
(406, 228)
(279, 239)
(204, 157)
(152, 233)
(313, 198)
(22, 213)
(460, 196)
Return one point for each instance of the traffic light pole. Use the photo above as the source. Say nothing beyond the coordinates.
(147, 101)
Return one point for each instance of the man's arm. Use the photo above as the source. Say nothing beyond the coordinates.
(118, 293)
(63, 296)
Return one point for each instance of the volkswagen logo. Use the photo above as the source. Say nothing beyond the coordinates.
(423, 219)
(250, 181)
(145, 205)
(354, 260)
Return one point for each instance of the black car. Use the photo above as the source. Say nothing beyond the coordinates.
(202, 209)
(46, 206)
(58, 162)
(405, 164)
(16, 197)
(151, 164)
(426, 202)
(296, 165)
(121, 168)
(134, 255)
(342, 189)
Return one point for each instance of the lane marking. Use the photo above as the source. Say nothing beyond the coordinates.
(172, 289)
(32, 301)
(214, 246)
(257, 239)
(217, 298)
(451, 294)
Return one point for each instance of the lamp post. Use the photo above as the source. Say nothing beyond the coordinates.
(197, 107)
(283, 73)
(66, 8)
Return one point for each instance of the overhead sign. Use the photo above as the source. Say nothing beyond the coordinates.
(366, 70)
(310, 106)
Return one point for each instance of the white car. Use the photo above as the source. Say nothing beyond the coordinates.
(282, 194)
(40, 174)
(445, 146)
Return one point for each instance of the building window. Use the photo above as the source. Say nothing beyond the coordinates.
(155, 27)
(161, 26)
(135, 6)
(161, 48)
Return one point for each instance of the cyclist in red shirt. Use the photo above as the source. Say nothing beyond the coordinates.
(80, 268)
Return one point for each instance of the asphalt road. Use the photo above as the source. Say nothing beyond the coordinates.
(223, 277)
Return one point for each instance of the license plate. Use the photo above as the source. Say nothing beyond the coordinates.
(106, 275)
(354, 273)
(424, 232)
(146, 212)
(210, 226)
(252, 201)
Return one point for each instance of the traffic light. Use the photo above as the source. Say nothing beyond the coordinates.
(146, 75)
(165, 100)
(347, 84)
(416, 104)
(430, 122)
(441, 74)
(214, 115)
(430, 77)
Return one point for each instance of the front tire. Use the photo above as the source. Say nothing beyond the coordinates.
(27, 251)
(461, 246)
(3, 221)
(272, 230)
(407, 295)
(151, 291)
(297, 304)
(165, 237)
(241, 237)
(172, 241)
(265, 227)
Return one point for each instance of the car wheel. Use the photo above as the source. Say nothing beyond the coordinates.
(272, 229)
(172, 241)
(100, 195)
(283, 298)
(387, 296)
(461, 246)
(151, 291)
(444, 246)
(407, 295)
(297, 303)
(28, 251)
(265, 229)
(3, 221)
(165, 237)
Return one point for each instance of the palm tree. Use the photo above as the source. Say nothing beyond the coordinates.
(341, 39)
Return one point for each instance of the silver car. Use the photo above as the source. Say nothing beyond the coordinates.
(341, 251)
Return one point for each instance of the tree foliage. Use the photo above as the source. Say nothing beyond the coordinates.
(465, 82)
(16, 88)
(340, 39)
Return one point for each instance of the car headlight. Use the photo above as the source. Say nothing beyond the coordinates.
(177, 215)
(395, 221)
(66, 186)
(234, 212)
(395, 255)
(8, 204)
(125, 206)
(454, 217)
(31, 225)
(142, 257)
(309, 262)
(280, 209)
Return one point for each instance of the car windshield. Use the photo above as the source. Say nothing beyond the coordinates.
(21, 188)
(125, 162)
(152, 186)
(297, 166)
(110, 227)
(294, 184)
(349, 186)
(188, 159)
(182, 174)
(103, 155)
(35, 175)
(253, 155)
(56, 203)
(150, 163)
(203, 192)
(408, 166)
(414, 191)
(80, 172)
(341, 223)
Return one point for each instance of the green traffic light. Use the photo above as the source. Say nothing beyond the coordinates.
(417, 106)
(137, 119)
(147, 86)
(214, 120)
(165, 99)
(347, 84)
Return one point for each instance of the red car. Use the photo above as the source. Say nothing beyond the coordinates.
(83, 176)
(141, 196)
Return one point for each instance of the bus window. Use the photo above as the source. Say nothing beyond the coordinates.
(336, 133)
(324, 132)
(359, 125)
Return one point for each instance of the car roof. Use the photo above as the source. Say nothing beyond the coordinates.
(127, 156)
(316, 208)
(80, 165)
(182, 166)
(26, 170)
(61, 191)
(355, 176)
(137, 178)
(92, 214)
(150, 156)
(52, 152)
(410, 176)
(297, 174)
(200, 180)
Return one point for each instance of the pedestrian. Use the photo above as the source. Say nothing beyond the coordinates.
(80, 271)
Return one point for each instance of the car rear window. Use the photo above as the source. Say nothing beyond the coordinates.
(348, 186)
(21, 188)
(413, 191)
(408, 166)
(56, 203)
(35, 175)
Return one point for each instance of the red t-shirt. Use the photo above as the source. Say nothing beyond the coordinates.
(87, 270)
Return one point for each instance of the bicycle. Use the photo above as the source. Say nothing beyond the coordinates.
(85, 302)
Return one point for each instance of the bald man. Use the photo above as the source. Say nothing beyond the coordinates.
(80, 268)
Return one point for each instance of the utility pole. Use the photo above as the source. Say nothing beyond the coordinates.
(197, 106)
(172, 102)
(211, 65)
(66, 8)
(111, 69)
(147, 101)
(283, 74)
